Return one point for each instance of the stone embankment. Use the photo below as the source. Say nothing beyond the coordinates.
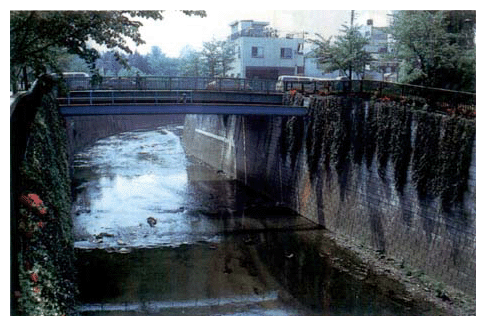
(390, 179)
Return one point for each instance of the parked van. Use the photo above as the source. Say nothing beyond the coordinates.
(76, 80)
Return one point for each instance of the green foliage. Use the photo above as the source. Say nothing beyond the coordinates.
(346, 54)
(37, 36)
(340, 131)
(292, 137)
(218, 56)
(47, 245)
(192, 64)
(437, 48)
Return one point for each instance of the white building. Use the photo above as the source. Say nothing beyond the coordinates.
(380, 42)
(260, 53)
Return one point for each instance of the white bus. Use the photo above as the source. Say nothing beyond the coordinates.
(298, 79)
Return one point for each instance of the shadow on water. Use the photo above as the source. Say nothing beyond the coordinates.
(233, 252)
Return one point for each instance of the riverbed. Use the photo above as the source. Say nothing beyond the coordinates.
(159, 233)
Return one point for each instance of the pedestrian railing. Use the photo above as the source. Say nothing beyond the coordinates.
(169, 83)
(443, 98)
(153, 88)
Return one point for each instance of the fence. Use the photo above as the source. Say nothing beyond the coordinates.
(463, 102)
(445, 100)
(170, 83)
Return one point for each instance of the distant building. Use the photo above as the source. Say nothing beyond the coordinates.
(379, 44)
(261, 53)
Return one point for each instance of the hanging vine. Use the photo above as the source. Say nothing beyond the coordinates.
(456, 148)
(401, 144)
(344, 130)
(425, 162)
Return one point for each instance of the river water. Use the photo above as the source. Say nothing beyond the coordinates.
(216, 248)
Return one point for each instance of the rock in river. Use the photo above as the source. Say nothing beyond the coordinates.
(151, 221)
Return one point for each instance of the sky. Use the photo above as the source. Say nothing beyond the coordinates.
(177, 30)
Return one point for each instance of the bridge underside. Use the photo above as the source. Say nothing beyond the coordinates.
(186, 108)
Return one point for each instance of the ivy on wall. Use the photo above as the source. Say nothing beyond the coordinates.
(46, 252)
(342, 130)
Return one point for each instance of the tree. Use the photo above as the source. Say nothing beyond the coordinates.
(108, 64)
(436, 48)
(192, 64)
(35, 36)
(156, 60)
(218, 56)
(211, 55)
(346, 54)
(71, 62)
(140, 62)
(227, 56)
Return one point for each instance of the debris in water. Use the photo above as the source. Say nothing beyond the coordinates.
(103, 234)
(151, 221)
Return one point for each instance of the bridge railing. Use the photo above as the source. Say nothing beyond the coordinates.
(170, 83)
(443, 98)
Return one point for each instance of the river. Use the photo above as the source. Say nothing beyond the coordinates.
(216, 248)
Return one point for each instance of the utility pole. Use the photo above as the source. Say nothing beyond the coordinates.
(351, 46)
(303, 53)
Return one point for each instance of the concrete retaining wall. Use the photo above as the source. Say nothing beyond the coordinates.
(384, 174)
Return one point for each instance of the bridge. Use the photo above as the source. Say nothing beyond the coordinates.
(173, 95)
(235, 96)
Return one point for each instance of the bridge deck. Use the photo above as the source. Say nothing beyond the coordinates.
(113, 102)
(187, 108)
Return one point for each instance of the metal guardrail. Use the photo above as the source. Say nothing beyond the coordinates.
(151, 85)
(114, 97)
(442, 98)
(163, 97)
(169, 83)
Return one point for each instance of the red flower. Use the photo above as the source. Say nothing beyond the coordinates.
(34, 277)
(36, 289)
(41, 224)
(35, 198)
(33, 201)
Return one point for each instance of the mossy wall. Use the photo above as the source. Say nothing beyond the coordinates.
(389, 175)
(42, 250)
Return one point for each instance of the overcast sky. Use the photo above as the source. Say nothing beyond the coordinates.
(177, 30)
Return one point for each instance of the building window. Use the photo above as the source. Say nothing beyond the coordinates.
(300, 48)
(286, 53)
(257, 52)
